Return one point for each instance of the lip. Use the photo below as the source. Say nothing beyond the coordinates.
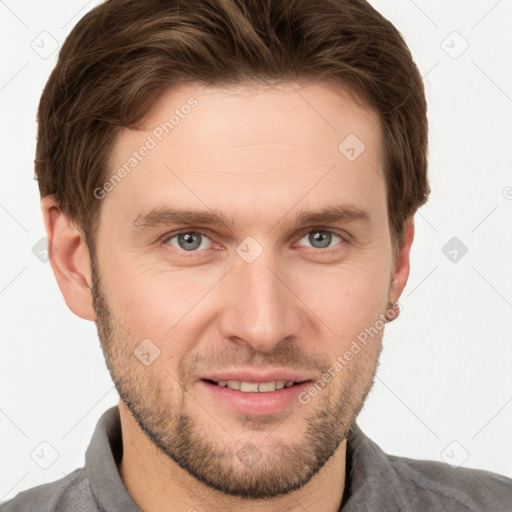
(257, 403)
(263, 375)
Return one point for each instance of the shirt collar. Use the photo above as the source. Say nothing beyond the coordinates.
(370, 481)
(101, 458)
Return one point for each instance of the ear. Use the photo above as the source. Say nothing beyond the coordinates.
(402, 265)
(69, 258)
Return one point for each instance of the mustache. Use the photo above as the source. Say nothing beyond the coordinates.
(284, 355)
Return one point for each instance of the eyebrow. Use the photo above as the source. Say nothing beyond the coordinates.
(166, 215)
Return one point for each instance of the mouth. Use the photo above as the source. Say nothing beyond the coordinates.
(266, 397)
(254, 387)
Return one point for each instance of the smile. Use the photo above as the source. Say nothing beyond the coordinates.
(254, 387)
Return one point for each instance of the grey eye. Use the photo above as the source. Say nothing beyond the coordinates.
(320, 239)
(187, 240)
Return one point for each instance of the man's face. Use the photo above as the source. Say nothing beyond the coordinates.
(263, 294)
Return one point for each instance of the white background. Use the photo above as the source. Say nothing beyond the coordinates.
(445, 371)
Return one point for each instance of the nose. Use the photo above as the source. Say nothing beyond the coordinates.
(261, 309)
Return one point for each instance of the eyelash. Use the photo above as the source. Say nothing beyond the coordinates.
(196, 253)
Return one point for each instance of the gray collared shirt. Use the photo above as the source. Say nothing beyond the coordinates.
(375, 481)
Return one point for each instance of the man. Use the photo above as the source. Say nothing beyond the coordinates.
(229, 189)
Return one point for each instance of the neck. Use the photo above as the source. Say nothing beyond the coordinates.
(156, 483)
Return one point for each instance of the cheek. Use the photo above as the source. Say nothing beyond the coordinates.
(160, 305)
(347, 298)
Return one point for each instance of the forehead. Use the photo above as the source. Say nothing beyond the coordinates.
(291, 117)
(249, 150)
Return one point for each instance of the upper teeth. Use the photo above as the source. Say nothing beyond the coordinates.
(254, 387)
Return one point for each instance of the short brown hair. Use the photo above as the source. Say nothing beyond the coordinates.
(123, 54)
